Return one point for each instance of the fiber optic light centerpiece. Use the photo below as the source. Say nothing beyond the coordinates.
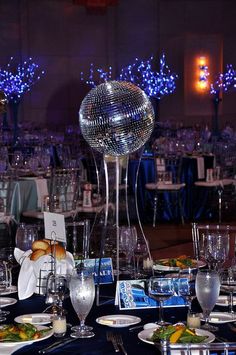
(116, 118)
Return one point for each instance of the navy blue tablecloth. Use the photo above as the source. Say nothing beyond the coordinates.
(98, 345)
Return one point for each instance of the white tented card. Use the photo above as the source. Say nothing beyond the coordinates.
(54, 225)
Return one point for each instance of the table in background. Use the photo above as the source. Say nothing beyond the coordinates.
(147, 175)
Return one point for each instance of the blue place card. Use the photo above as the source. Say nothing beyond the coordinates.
(106, 269)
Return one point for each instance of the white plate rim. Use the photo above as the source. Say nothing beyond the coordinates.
(225, 298)
(13, 289)
(147, 333)
(133, 320)
(18, 319)
(10, 300)
(228, 317)
(28, 342)
(160, 267)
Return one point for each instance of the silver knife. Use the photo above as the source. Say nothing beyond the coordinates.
(56, 345)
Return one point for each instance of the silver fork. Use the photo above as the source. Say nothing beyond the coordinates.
(119, 341)
(111, 337)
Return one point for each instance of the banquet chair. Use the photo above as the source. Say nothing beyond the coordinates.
(168, 185)
(219, 185)
(7, 221)
(198, 230)
(78, 238)
(64, 189)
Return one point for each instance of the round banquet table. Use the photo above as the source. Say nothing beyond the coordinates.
(98, 344)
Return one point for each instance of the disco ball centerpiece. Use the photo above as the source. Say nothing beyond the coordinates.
(116, 118)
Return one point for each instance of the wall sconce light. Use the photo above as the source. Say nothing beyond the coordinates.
(202, 74)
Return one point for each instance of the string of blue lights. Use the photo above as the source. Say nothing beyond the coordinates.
(224, 81)
(16, 80)
(153, 83)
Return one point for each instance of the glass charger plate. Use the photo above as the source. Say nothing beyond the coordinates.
(221, 317)
(160, 267)
(8, 291)
(34, 318)
(7, 301)
(27, 342)
(118, 320)
(145, 335)
(224, 301)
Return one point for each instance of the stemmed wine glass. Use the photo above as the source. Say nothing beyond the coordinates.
(140, 252)
(161, 288)
(186, 285)
(25, 236)
(7, 257)
(82, 294)
(128, 241)
(207, 292)
(215, 249)
(3, 287)
(56, 291)
(228, 285)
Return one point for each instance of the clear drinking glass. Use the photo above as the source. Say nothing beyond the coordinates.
(25, 236)
(3, 287)
(56, 291)
(140, 252)
(160, 289)
(128, 241)
(186, 285)
(214, 249)
(7, 257)
(82, 294)
(228, 285)
(207, 292)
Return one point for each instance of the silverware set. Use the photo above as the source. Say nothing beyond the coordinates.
(117, 341)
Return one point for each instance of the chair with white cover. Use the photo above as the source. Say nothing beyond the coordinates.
(168, 181)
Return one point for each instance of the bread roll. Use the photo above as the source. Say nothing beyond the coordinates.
(60, 251)
(37, 254)
(39, 244)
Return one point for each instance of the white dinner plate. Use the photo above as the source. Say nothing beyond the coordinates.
(223, 300)
(7, 301)
(34, 318)
(118, 320)
(160, 267)
(145, 335)
(27, 342)
(8, 291)
(220, 317)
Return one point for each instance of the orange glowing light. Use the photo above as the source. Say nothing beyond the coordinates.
(201, 74)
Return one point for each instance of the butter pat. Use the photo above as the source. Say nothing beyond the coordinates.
(27, 319)
(107, 321)
(212, 319)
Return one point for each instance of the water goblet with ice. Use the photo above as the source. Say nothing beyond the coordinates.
(82, 294)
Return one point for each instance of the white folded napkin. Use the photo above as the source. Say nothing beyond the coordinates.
(28, 280)
(42, 190)
(200, 168)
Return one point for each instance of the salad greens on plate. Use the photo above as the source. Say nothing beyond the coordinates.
(177, 333)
